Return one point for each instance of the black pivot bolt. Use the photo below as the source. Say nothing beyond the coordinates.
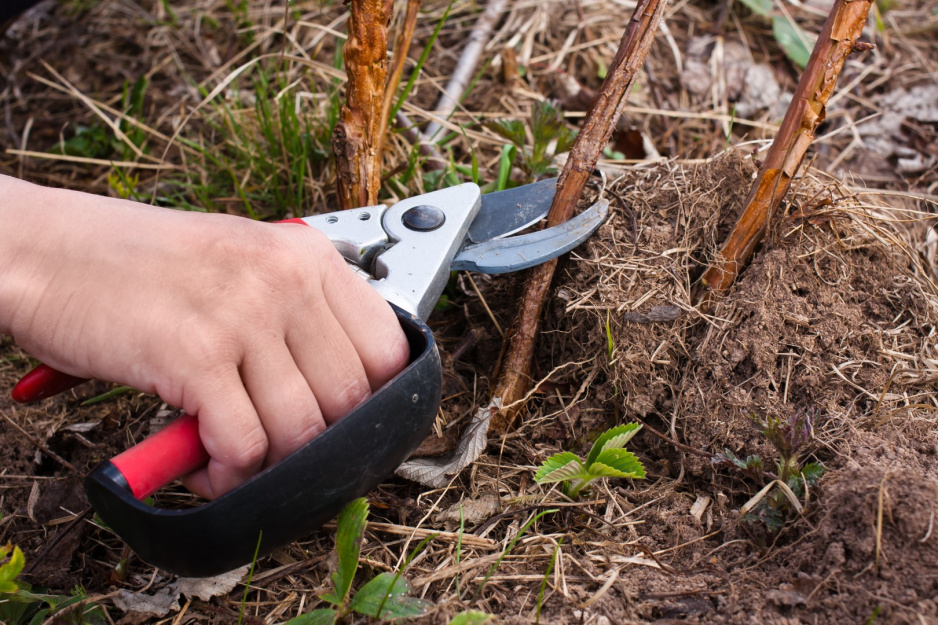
(423, 218)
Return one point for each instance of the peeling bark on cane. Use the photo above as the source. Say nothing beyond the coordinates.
(356, 139)
(838, 39)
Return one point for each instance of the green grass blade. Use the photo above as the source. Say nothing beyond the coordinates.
(247, 583)
(511, 545)
(550, 569)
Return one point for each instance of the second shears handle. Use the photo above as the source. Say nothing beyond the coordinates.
(171, 453)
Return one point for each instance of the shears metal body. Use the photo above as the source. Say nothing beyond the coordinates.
(406, 252)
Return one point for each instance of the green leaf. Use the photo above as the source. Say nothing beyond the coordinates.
(761, 7)
(348, 542)
(560, 467)
(368, 600)
(509, 152)
(322, 616)
(472, 617)
(794, 41)
(510, 129)
(616, 438)
(10, 570)
(812, 472)
(617, 463)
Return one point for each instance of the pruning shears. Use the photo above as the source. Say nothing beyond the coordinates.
(406, 252)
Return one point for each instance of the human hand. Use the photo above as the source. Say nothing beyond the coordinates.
(260, 330)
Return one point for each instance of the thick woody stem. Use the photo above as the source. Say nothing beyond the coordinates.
(514, 377)
(355, 141)
(806, 112)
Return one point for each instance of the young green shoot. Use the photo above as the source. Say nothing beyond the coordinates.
(550, 569)
(549, 133)
(384, 596)
(247, 583)
(607, 458)
(19, 605)
(790, 437)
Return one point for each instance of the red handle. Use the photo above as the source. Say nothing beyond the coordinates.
(43, 382)
(174, 451)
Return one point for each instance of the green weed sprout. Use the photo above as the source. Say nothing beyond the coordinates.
(385, 596)
(607, 458)
(19, 605)
(550, 135)
(790, 436)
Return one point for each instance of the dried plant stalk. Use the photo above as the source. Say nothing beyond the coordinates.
(466, 66)
(401, 48)
(807, 110)
(356, 139)
(514, 377)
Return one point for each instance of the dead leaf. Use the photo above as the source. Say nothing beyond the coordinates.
(31, 502)
(205, 588)
(166, 600)
(437, 472)
(470, 511)
(157, 605)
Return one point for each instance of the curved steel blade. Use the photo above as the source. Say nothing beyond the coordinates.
(521, 252)
(507, 212)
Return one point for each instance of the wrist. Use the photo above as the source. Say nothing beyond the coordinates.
(21, 211)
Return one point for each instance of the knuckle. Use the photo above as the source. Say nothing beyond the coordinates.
(305, 418)
(349, 395)
(311, 426)
(251, 451)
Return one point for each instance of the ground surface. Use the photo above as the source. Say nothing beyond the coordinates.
(830, 335)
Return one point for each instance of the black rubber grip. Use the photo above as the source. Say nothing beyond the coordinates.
(297, 495)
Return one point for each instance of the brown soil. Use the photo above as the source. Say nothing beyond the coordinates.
(824, 294)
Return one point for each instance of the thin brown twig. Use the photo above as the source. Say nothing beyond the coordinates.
(514, 376)
(355, 140)
(55, 541)
(65, 463)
